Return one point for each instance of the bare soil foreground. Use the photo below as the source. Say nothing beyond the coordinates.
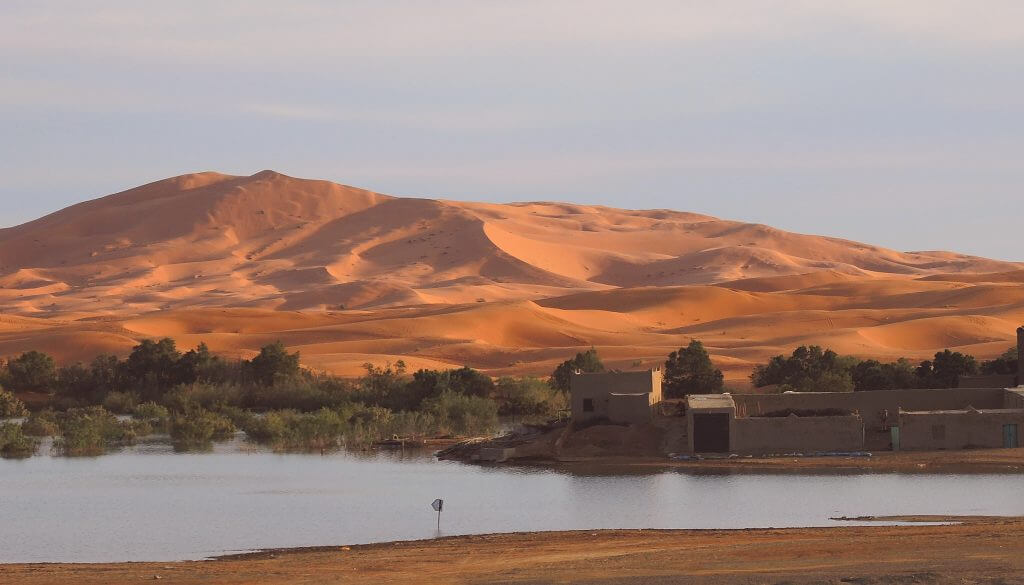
(978, 550)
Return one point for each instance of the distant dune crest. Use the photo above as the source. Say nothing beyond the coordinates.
(269, 242)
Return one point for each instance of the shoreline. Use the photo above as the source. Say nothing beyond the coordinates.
(982, 461)
(958, 549)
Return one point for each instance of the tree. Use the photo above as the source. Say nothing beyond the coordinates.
(196, 365)
(1004, 364)
(809, 369)
(468, 381)
(946, 369)
(874, 375)
(274, 361)
(690, 371)
(152, 367)
(32, 371)
(587, 361)
(384, 386)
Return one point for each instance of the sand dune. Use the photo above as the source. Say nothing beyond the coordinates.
(349, 276)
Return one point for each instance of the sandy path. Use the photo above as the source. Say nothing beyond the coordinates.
(985, 550)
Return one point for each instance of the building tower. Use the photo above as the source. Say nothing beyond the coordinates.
(1020, 356)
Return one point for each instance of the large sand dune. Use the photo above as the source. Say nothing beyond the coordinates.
(349, 276)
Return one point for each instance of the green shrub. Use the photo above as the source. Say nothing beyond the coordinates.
(10, 405)
(120, 402)
(32, 371)
(293, 431)
(91, 431)
(42, 424)
(197, 428)
(270, 428)
(238, 417)
(306, 394)
(14, 443)
(459, 414)
(202, 395)
(528, 396)
(153, 414)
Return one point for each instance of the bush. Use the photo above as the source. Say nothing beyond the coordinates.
(292, 431)
(32, 371)
(270, 428)
(14, 443)
(120, 402)
(459, 414)
(10, 405)
(528, 396)
(91, 431)
(299, 393)
(157, 417)
(42, 424)
(203, 395)
(197, 428)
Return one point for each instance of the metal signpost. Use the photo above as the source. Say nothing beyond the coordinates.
(438, 505)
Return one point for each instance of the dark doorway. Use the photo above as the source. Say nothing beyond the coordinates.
(711, 433)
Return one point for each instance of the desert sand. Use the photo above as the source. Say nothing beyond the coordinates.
(981, 550)
(348, 276)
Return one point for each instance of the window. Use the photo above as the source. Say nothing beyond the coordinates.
(588, 405)
(938, 432)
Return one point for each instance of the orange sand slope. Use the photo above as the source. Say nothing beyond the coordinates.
(349, 276)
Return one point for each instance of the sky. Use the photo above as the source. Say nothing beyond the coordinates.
(898, 123)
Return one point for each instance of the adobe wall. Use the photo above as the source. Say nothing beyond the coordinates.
(813, 434)
(599, 386)
(989, 381)
(1013, 399)
(929, 431)
(629, 408)
(871, 404)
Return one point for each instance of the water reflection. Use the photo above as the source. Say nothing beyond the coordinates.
(146, 502)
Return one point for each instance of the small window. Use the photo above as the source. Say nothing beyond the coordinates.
(588, 405)
(938, 432)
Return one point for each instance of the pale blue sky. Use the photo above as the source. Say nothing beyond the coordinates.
(896, 123)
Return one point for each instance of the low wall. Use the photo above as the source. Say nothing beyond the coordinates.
(872, 404)
(1013, 399)
(931, 431)
(762, 435)
(989, 381)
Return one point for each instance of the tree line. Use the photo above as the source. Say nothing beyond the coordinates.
(813, 369)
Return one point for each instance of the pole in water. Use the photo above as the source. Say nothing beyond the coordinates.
(438, 505)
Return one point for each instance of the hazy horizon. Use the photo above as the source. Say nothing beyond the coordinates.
(896, 124)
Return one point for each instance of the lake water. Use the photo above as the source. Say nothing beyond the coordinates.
(148, 503)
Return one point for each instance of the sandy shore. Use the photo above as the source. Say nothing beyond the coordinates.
(978, 550)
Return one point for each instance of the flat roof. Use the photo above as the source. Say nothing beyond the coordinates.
(967, 411)
(709, 401)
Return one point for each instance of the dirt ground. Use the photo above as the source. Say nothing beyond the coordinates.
(982, 550)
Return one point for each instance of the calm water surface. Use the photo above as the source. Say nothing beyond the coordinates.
(147, 503)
